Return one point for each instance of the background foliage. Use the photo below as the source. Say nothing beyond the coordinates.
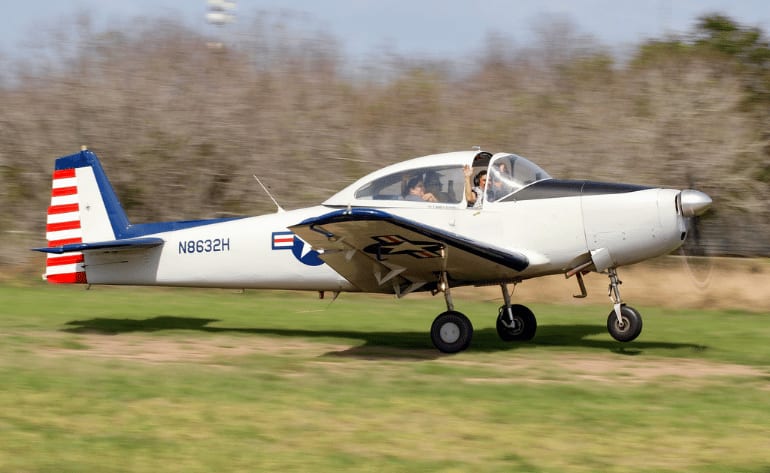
(182, 119)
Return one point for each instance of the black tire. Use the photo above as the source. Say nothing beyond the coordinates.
(629, 329)
(451, 332)
(525, 324)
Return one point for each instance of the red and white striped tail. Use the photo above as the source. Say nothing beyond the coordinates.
(62, 228)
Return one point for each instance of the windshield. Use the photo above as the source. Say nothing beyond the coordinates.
(509, 173)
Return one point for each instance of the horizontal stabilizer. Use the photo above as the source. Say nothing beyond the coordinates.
(113, 245)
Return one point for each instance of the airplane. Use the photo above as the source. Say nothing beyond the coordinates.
(404, 228)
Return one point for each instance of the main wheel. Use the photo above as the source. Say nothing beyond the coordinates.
(451, 332)
(524, 324)
(628, 328)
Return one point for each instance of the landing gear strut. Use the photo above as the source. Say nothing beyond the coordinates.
(624, 322)
(451, 331)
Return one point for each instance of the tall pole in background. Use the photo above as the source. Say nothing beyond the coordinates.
(219, 13)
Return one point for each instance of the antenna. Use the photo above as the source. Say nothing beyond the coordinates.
(268, 193)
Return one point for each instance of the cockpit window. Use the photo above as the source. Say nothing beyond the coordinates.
(508, 174)
(442, 183)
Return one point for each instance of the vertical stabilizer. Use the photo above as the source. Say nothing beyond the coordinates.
(84, 208)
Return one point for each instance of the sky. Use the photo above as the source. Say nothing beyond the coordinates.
(425, 28)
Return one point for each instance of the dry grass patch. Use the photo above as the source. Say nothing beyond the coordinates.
(573, 368)
(206, 350)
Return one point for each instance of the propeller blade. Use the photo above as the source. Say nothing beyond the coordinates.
(693, 205)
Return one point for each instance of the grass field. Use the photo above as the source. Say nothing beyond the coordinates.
(138, 379)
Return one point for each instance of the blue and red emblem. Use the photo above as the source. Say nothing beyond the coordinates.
(300, 249)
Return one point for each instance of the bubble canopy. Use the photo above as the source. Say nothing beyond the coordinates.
(439, 180)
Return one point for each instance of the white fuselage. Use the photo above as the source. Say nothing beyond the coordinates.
(556, 234)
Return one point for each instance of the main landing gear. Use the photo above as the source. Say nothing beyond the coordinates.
(514, 322)
(452, 331)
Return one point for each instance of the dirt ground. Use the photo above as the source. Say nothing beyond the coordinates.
(219, 350)
(718, 283)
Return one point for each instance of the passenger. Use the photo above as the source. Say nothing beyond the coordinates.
(433, 186)
(416, 191)
(474, 191)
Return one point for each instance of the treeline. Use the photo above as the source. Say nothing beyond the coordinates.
(182, 119)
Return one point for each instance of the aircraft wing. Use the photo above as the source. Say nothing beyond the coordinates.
(381, 252)
(112, 245)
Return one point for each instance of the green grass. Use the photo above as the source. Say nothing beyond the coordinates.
(139, 379)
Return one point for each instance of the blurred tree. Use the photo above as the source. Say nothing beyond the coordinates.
(182, 126)
(748, 46)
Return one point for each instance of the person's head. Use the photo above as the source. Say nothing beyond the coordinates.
(415, 186)
(433, 183)
(481, 179)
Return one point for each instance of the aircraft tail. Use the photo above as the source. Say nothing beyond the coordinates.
(84, 208)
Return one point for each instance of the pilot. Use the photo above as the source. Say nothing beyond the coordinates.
(501, 182)
(474, 192)
(415, 190)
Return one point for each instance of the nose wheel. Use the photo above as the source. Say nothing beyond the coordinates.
(624, 322)
(626, 327)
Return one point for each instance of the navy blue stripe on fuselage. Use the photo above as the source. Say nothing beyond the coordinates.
(555, 188)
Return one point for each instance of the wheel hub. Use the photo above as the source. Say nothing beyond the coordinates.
(512, 325)
(449, 332)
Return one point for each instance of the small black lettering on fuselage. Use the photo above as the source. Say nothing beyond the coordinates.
(212, 245)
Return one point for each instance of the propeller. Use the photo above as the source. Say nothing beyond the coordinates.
(693, 203)
(694, 206)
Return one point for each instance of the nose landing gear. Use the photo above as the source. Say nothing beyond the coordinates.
(627, 326)
(624, 323)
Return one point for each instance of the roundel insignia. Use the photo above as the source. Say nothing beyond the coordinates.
(308, 257)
